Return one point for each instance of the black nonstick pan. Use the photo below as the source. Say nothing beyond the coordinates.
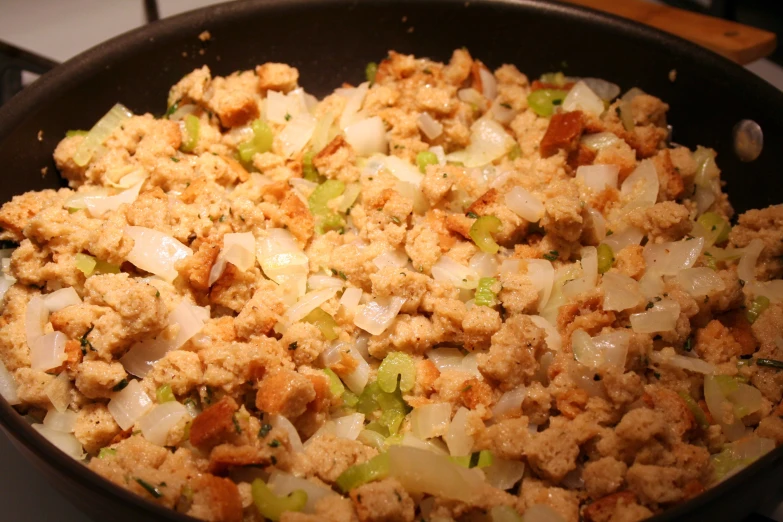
(331, 41)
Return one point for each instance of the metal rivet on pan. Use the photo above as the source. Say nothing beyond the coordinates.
(748, 140)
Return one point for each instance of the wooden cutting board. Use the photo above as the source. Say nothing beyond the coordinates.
(740, 43)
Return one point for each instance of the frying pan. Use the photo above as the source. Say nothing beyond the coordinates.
(331, 41)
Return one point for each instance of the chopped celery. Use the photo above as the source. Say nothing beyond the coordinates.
(72, 210)
(370, 71)
(372, 439)
(336, 386)
(376, 468)
(395, 439)
(377, 427)
(392, 420)
(164, 394)
(324, 322)
(716, 225)
(543, 101)
(271, 506)
(759, 304)
(481, 233)
(85, 264)
(350, 399)
(309, 172)
(397, 364)
(106, 452)
(515, 152)
(605, 258)
(484, 295)
(327, 219)
(425, 158)
(72, 133)
(698, 413)
(260, 142)
(392, 406)
(102, 267)
(554, 78)
(504, 514)
(477, 459)
(192, 130)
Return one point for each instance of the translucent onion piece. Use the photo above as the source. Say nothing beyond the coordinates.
(510, 403)
(35, 318)
(346, 201)
(503, 474)
(62, 298)
(553, 339)
(600, 140)
(721, 409)
(640, 189)
(620, 292)
(8, 386)
(355, 99)
(701, 281)
(668, 357)
(377, 315)
(598, 177)
(431, 127)
(446, 358)
(278, 421)
(296, 134)
(704, 198)
(367, 136)
(430, 420)
(100, 132)
(321, 134)
(457, 438)
(502, 114)
(308, 303)
(143, 355)
(772, 290)
(189, 319)
(524, 204)
(610, 349)
(412, 192)
(65, 442)
(542, 513)
(485, 265)
(349, 426)
(391, 258)
(582, 98)
(240, 250)
(662, 317)
(651, 285)
(357, 379)
(589, 263)
(449, 271)
(284, 484)
(422, 471)
(157, 423)
(488, 142)
(627, 237)
(276, 105)
(489, 85)
(60, 421)
(97, 206)
(318, 282)
(48, 351)
(281, 258)
(605, 90)
(350, 298)
(58, 391)
(670, 258)
(541, 274)
(156, 252)
(402, 170)
(129, 404)
(472, 96)
(470, 364)
(746, 269)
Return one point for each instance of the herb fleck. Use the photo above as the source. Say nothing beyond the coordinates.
(120, 385)
(293, 346)
(84, 342)
(175, 160)
(237, 427)
(649, 305)
(152, 490)
(264, 431)
(472, 215)
(552, 255)
(396, 220)
(274, 444)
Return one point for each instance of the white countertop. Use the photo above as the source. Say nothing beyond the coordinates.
(60, 29)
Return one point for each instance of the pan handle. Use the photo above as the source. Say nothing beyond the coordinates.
(13, 62)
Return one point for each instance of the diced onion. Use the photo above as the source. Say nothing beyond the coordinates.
(240, 250)
(589, 263)
(447, 270)
(524, 204)
(318, 282)
(640, 188)
(605, 90)
(430, 420)
(542, 513)
(376, 316)
(60, 421)
(97, 206)
(58, 391)
(670, 258)
(35, 318)
(713, 396)
(413, 193)
(349, 426)
(278, 421)
(600, 140)
(620, 292)
(502, 114)
(598, 223)
(488, 142)
(668, 357)
(541, 274)
(357, 379)
(391, 258)
(627, 237)
(296, 134)
(156, 252)
(651, 284)
(282, 259)
(746, 269)
(157, 423)
(400, 169)
(8, 386)
(65, 442)
(485, 265)
(431, 127)
(489, 85)
(276, 105)
(367, 136)
(701, 281)
(129, 404)
(355, 99)
(308, 303)
(190, 321)
(284, 484)
(143, 355)
(662, 317)
(470, 364)
(610, 349)
(446, 358)
(100, 132)
(582, 98)
(421, 471)
(503, 474)
(472, 96)
(510, 403)
(321, 134)
(48, 351)
(62, 298)
(457, 438)
(350, 298)
(553, 339)
(598, 177)
(433, 445)
(704, 198)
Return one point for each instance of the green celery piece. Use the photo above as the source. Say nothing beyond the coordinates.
(543, 101)
(484, 295)
(376, 468)
(397, 364)
(271, 506)
(481, 233)
(324, 322)
(192, 131)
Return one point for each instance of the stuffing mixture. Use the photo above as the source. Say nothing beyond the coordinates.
(445, 294)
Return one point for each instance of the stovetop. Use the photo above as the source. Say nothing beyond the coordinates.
(40, 33)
